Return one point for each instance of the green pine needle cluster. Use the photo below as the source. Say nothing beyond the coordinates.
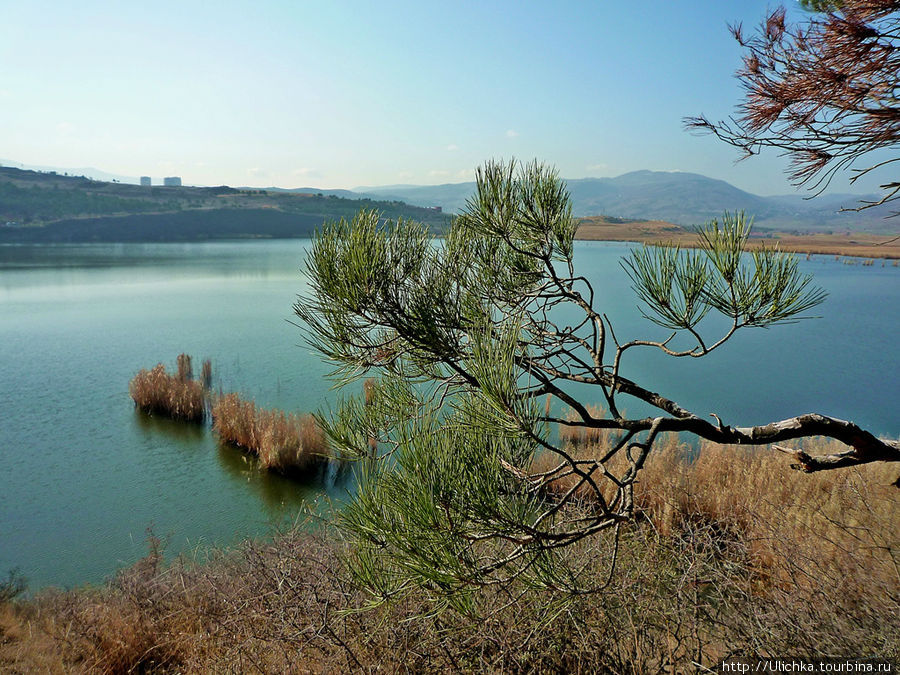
(472, 344)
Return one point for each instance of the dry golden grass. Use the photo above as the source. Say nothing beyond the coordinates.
(111, 630)
(582, 444)
(176, 396)
(858, 244)
(827, 524)
(283, 442)
(579, 437)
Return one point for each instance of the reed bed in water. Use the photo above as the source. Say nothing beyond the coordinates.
(283, 442)
(177, 395)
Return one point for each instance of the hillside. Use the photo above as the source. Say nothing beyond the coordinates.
(48, 207)
(450, 196)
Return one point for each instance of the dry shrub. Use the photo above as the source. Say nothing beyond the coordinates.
(114, 636)
(285, 605)
(135, 624)
(156, 392)
(283, 442)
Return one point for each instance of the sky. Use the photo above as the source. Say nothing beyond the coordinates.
(348, 94)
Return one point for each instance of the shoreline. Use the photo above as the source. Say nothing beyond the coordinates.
(862, 245)
(854, 245)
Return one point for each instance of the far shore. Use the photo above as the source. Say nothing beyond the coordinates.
(203, 225)
(856, 244)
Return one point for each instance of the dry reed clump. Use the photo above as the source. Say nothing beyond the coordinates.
(185, 369)
(177, 396)
(206, 374)
(283, 442)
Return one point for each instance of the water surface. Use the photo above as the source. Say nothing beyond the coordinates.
(84, 475)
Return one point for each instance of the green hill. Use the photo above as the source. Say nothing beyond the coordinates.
(49, 207)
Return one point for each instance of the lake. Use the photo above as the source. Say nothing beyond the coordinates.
(85, 475)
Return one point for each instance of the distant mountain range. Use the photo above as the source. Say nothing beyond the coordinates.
(676, 197)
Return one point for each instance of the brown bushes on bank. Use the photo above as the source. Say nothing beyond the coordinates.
(680, 601)
(283, 442)
(177, 396)
(735, 555)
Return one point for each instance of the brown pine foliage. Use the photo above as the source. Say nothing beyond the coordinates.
(822, 91)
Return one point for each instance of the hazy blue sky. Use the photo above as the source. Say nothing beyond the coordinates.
(344, 94)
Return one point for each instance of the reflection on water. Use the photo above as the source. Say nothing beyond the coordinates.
(280, 494)
(187, 434)
(221, 256)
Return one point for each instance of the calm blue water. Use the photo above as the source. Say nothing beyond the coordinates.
(84, 475)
